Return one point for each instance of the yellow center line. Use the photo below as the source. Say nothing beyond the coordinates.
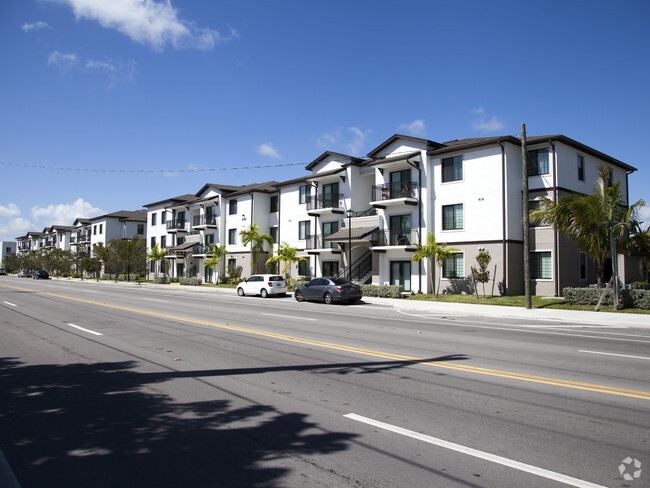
(644, 395)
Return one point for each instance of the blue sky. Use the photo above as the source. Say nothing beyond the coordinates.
(194, 85)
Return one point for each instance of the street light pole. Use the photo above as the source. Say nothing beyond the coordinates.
(349, 213)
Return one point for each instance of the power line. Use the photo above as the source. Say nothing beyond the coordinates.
(105, 170)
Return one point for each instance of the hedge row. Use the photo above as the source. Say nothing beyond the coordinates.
(590, 296)
(121, 277)
(382, 291)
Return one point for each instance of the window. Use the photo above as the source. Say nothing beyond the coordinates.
(94, 230)
(303, 268)
(305, 194)
(232, 236)
(152, 266)
(163, 242)
(153, 242)
(581, 168)
(400, 274)
(275, 233)
(330, 195)
(232, 207)
(274, 204)
(538, 162)
(330, 268)
(101, 228)
(141, 229)
(232, 267)
(400, 184)
(452, 169)
(330, 228)
(541, 265)
(452, 217)
(534, 205)
(209, 239)
(582, 259)
(454, 266)
(304, 230)
(153, 218)
(400, 230)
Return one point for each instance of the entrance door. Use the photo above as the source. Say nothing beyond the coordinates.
(331, 195)
(179, 270)
(400, 182)
(328, 229)
(400, 274)
(330, 268)
(400, 230)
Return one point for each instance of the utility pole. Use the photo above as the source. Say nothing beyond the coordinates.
(524, 167)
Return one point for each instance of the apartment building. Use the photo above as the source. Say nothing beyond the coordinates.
(364, 217)
(7, 248)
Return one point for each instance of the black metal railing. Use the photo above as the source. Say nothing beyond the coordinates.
(326, 200)
(204, 220)
(401, 237)
(360, 268)
(202, 249)
(365, 213)
(317, 242)
(398, 189)
(176, 225)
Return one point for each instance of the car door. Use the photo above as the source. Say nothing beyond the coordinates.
(311, 290)
(251, 285)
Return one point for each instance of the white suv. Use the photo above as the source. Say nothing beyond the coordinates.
(264, 285)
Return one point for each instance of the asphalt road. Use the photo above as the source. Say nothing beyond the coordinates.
(135, 386)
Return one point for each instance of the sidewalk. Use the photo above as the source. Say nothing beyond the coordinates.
(493, 311)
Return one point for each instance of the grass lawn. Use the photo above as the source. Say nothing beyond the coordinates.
(520, 301)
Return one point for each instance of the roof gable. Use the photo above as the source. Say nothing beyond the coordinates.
(409, 141)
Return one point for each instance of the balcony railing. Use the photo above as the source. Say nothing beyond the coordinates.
(327, 200)
(398, 189)
(403, 237)
(317, 242)
(176, 225)
(202, 249)
(204, 220)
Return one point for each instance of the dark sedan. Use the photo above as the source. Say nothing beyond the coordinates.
(41, 275)
(329, 290)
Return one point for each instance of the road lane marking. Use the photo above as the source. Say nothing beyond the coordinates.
(85, 330)
(155, 300)
(643, 395)
(12, 304)
(287, 316)
(528, 468)
(612, 354)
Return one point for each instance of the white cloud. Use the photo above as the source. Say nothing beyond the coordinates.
(644, 216)
(150, 22)
(352, 139)
(64, 213)
(269, 151)
(10, 210)
(115, 71)
(64, 61)
(15, 228)
(35, 26)
(416, 128)
(491, 125)
(477, 110)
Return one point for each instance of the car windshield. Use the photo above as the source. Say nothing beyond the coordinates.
(276, 278)
(340, 281)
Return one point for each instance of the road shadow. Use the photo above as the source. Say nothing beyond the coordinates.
(104, 425)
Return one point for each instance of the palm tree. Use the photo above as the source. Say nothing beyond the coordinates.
(596, 223)
(217, 253)
(433, 252)
(253, 237)
(105, 254)
(288, 255)
(158, 256)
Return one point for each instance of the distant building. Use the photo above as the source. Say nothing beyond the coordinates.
(7, 248)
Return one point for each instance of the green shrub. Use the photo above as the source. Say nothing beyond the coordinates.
(161, 280)
(590, 296)
(190, 281)
(382, 291)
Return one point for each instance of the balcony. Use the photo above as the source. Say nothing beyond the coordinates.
(317, 245)
(177, 226)
(201, 250)
(202, 222)
(404, 239)
(397, 193)
(326, 204)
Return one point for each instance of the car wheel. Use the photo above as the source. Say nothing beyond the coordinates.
(240, 292)
(264, 293)
(328, 298)
(298, 296)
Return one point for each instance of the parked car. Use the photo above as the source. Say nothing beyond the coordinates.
(329, 290)
(24, 273)
(41, 275)
(3, 271)
(264, 285)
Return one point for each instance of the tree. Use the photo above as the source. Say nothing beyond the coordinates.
(105, 256)
(158, 257)
(482, 274)
(593, 222)
(433, 252)
(288, 255)
(253, 237)
(130, 254)
(216, 254)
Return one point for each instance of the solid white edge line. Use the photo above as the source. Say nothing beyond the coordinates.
(12, 304)
(287, 316)
(613, 354)
(544, 473)
(85, 330)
